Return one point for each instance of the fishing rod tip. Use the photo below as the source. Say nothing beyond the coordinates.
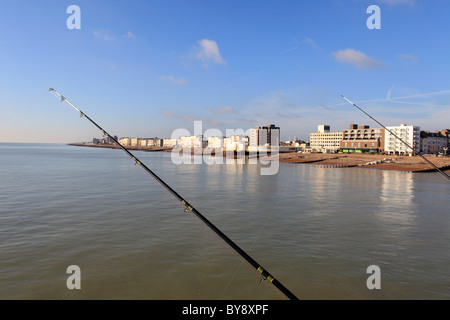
(51, 89)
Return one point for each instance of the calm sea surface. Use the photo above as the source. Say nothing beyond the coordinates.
(317, 230)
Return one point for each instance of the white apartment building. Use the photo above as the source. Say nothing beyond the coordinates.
(134, 142)
(124, 141)
(264, 137)
(409, 134)
(158, 142)
(169, 143)
(215, 142)
(235, 143)
(192, 142)
(150, 142)
(325, 141)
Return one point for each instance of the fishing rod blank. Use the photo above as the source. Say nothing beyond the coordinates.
(414, 151)
(264, 274)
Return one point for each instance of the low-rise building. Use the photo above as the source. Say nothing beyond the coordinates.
(215, 142)
(158, 142)
(169, 143)
(134, 142)
(325, 141)
(192, 142)
(235, 143)
(433, 142)
(362, 139)
(125, 141)
(446, 133)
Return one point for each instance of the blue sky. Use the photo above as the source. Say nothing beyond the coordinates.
(146, 68)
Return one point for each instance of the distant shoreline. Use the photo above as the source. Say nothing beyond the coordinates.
(337, 160)
(112, 146)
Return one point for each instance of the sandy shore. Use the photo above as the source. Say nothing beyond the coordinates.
(385, 162)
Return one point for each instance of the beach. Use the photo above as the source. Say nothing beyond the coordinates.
(385, 162)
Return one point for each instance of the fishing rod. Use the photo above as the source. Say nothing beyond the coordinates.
(405, 143)
(263, 273)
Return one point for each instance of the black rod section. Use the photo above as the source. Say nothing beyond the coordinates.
(265, 275)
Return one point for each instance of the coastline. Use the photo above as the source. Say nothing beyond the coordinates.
(384, 162)
(113, 146)
(338, 160)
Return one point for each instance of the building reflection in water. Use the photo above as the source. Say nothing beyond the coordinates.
(396, 196)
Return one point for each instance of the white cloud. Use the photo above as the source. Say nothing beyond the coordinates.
(168, 114)
(423, 95)
(311, 42)
(103, 35)
(106, 35)
(179, 81)
(129, 35)
(408, 58)
(222, 110)
(358, 59)
(208, 51)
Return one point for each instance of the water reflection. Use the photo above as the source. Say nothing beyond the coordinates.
(397, 187)
(326, 190)
(396, 197)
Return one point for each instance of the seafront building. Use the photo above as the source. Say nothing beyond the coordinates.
(143, 142)
(125, 141)
(233, 143)
(236, 143)
(264, 138)
(153, 142)
(362, 139)
(140, 142)
(433, 142)
(325, 141)
(191, 142)
(215, 142)
(356, 139)
(409, 134)
(159, 142)
(134, 142)
(169, 143)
